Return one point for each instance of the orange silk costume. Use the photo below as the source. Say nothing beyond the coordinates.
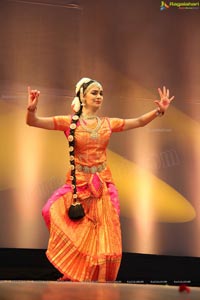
(88, 249)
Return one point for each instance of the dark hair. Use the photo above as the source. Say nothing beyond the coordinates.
(71, 139)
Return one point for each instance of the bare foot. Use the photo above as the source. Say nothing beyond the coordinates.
(63, 278)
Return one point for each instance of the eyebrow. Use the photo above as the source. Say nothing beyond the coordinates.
(96, 90)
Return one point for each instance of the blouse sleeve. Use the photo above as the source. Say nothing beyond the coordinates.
(116, 124)
(62, 122)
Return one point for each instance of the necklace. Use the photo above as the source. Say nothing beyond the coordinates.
(93, 132)
(88, 117)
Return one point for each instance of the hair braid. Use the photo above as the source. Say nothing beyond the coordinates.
(71, 138)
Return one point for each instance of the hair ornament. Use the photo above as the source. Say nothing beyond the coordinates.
(73, 126)
(70, 138)
(76, 105)
(75, 117)
(81, 82)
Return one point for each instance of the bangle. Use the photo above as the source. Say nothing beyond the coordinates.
(32, 109)
(159, 112)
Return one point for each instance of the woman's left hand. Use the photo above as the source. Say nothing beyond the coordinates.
(165, 100)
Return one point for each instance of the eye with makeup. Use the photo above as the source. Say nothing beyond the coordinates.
(95, 92)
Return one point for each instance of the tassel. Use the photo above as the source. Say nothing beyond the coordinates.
(76, 211)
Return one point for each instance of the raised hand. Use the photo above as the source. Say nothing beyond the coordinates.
(33, 96)
(165, 99)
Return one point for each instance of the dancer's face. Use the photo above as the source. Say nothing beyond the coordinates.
(94, 97)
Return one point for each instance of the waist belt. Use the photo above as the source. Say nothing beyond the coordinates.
(91, 170)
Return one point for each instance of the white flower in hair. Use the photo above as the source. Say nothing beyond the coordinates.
(76, 105)
(81, 82)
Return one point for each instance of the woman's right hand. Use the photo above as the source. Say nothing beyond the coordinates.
(31, 118)
(33, 96)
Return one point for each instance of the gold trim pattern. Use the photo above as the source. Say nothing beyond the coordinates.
(91, 170)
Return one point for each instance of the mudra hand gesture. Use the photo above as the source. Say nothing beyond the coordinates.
(165, 100)
(33, 96)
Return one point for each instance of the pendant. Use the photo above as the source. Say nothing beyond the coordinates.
(93, 132)
(94, 135)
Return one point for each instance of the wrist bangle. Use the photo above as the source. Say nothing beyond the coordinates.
(32, 109)
(159, 112)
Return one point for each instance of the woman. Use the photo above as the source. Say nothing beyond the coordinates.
(87, 247)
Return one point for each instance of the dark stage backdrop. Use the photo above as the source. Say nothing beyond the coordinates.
(132, 48)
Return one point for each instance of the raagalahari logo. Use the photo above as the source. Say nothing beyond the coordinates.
(179, 5)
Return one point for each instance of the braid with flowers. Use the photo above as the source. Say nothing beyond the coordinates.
(77, 106)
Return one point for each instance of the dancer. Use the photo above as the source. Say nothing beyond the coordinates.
(83, 215)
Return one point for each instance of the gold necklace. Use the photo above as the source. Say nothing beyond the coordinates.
(93, 132)
(88, 117)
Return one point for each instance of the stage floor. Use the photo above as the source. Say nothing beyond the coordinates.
(52, 290)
